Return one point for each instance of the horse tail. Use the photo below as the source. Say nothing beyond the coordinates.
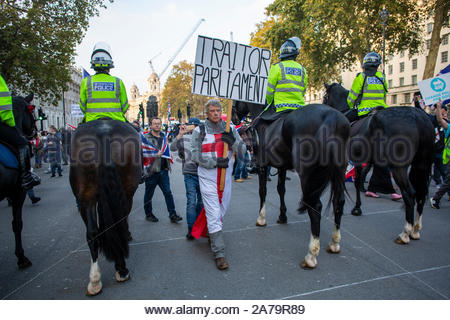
(112, 213)
(332, 137)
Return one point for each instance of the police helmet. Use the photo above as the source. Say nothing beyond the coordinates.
(372, 59)
(290, 48)
(101, 56)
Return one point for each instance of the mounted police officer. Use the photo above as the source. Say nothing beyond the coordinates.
(369, 87)
(10, 135)
(103, 95)
(287, 82)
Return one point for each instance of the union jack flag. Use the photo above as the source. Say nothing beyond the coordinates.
(149, 151)
(168, 110)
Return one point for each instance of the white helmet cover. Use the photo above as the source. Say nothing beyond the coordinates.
(101, 56)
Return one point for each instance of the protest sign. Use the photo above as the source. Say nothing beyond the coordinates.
(231, 70)
(435, 89)
(76, 111)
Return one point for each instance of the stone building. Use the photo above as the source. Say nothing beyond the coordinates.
(55, 113)
(135, 98)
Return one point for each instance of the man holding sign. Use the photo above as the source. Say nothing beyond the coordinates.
(207, 147)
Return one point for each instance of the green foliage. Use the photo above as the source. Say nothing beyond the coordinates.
(38, 40)
(336, 34)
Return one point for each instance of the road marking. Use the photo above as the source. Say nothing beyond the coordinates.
(367, 281)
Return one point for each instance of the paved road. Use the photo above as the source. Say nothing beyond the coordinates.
(264, 262)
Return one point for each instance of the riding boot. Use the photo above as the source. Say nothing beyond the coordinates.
(29, 180)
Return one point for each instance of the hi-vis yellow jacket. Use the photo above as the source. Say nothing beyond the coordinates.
(102, 95)
(373, 93)
(286, 85)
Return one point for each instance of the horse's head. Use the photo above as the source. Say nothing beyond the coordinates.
(240, 110)
(336, 96)
(24, 115)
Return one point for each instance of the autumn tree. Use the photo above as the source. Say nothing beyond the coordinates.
(336, 34)
(38, 40)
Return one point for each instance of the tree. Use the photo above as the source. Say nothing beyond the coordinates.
(441, 9)
(38, 40)
(336, 34)
(178, 89)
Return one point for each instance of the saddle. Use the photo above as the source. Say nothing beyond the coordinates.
(8, 157)
(362, 123)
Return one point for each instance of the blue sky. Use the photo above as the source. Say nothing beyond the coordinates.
(137, 30)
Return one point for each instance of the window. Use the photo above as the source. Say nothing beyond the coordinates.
(394, 99)
(315, 96)
(445, 39)
(430, 27)
(414, 79)
(408, 98)
(444, 56)
(414, 64)
(390, 83)
(402, 66)
(402, 81)
(402, 54)
(390, 69)
(428, 43)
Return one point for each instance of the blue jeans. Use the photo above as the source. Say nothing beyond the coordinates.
(55, 162)
(194, 203)
(241, 167)
(160, 179)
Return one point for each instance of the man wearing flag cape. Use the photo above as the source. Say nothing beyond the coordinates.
(207, 145)
(156, 160)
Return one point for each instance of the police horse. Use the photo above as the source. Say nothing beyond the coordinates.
(10, 181)
(401, 138)
(105, 170)
(311, 140)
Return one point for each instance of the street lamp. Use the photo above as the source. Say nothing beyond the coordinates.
(384, 16)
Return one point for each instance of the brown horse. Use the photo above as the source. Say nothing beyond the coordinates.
(105, 170)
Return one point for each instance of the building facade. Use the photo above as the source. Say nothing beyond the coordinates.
(135, 98)
(59, 114)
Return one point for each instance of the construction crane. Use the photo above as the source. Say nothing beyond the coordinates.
(181, 47)
(150, 62)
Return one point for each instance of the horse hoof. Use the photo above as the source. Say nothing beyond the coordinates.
(329, 250)
(94, 289)
(24, 263)
(260, 224)
(356, 212)
(119, 278)
(282, 221)
(399, 240)
(414, 236)
(130, 238)
(305, 266)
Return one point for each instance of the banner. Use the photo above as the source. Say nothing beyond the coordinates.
(76, 111)
(231, 70)
(435, 89)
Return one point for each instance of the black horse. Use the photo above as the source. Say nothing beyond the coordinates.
(311, 140)
(401, 138)
(10, 181)
(105, 170)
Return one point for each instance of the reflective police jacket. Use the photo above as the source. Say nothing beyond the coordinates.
(102, 95)
(286, 85)
(373, 94)
(6, 112)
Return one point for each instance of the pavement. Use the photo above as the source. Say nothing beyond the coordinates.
(264, 262)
